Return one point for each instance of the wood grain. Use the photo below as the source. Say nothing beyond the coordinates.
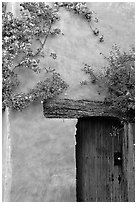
(67, 108)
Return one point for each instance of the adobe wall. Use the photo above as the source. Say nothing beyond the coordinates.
(79, 45)
(43, 150)
(43, 157)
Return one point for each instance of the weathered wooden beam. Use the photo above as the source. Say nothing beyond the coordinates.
(67, 108)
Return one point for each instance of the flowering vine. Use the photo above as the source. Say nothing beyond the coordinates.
(46, 89)
(81, 9)
(18, 35)
(119, 80)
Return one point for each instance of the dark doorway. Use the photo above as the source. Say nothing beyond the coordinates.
(99, 162)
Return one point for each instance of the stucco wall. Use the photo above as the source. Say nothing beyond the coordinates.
(43, 150)
(79, 45)
(43, 157)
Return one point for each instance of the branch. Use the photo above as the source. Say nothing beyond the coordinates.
(39, 41)
(39, 50)
(90, 26)
(17, 65)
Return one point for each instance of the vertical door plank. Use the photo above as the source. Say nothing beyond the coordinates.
(129, 162)
(98, 179)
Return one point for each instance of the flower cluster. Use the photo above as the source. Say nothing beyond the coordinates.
(41, 13)
(55, 31)
(9, 81)
(78, 7)
(81, 9)
(53, 55)
(83, 83)
(18, 34)
(32, 64)
(47, 89)
(89, 70)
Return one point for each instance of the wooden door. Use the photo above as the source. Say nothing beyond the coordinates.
(99, 169)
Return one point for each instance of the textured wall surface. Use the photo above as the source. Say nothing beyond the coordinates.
(79, 45)
(3, 151)
(43, 157)
(43, 160)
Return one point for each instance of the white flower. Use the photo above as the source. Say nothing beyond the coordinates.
(127, 93)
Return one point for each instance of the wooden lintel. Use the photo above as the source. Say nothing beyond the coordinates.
(67, 108)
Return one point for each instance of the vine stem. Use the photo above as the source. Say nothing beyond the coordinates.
(39, 41)
(91, 27)
(17, 65)
(42, 46)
